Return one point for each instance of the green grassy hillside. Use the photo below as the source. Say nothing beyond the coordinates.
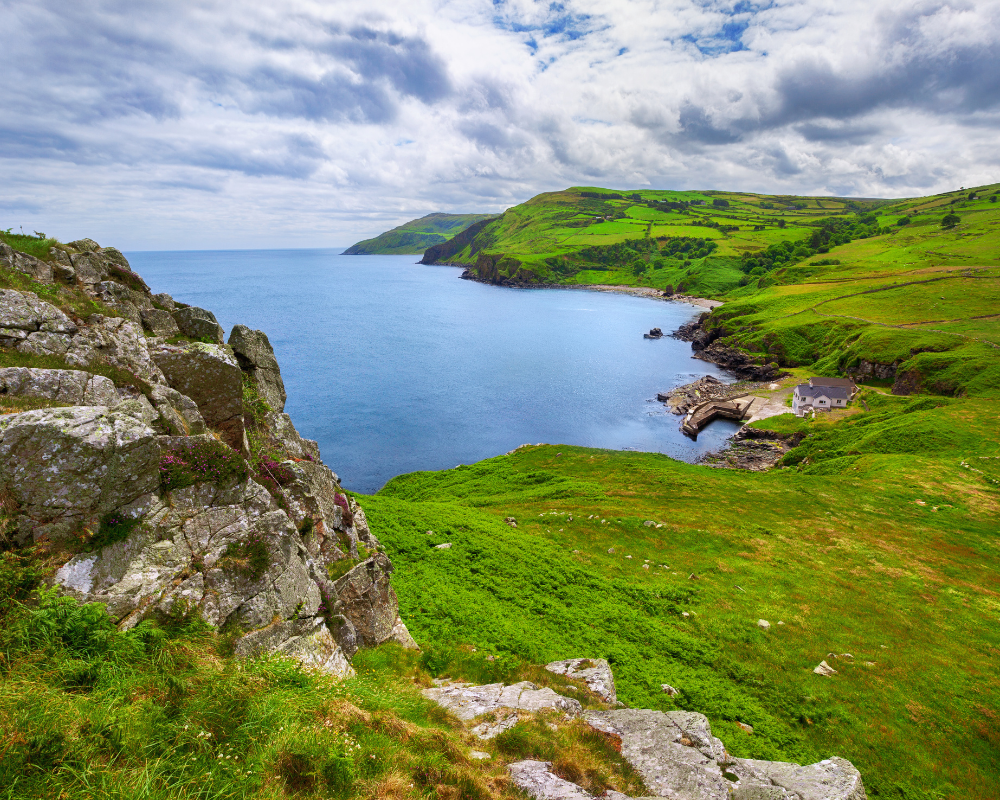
(879, 540)
(415, 236)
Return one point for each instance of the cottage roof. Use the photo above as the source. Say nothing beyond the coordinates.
(846, 383)
(832, 392)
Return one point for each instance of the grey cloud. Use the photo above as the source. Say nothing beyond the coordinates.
(698, 126)
(827, 132)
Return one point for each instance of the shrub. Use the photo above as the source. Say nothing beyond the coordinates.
(114, 528)
(903, 221)
(950, 220)
(249, 557)
(201, 459)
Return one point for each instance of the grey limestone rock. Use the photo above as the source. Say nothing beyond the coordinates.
(284, 433)
(35, 269)
(536, 779)
(126, 301)
(401, 636)
(678, 757)
(179, 413)
(74, 387)
(115, 256)
(165, 300)
(68, 466)
(467, 702)
(366, 598)
(210, 376)
(116, 342)
(199, 324)
(24, 312)
(255, 355)
(158, 322)
(85, 245)
(595, 672)
(90, 268)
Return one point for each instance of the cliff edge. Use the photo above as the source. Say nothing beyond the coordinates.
(152, 461)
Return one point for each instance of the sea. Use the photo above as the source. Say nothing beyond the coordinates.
(394, 366)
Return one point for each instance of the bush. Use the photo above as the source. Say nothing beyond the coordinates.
(201, 459)
(249, 557)
(903, 221)
(950, 220)
(114, 528)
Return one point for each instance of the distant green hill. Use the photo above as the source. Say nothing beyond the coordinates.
(416, 236)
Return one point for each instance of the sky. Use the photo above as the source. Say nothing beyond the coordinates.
(214, 124)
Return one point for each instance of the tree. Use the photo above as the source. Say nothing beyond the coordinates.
(718, 202)
(993, 198)
(903, 221)
(950, 220)
(781, 223)
(638, 267)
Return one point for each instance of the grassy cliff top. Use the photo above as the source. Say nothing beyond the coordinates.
(415, 236)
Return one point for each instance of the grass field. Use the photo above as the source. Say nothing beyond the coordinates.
(873, 548)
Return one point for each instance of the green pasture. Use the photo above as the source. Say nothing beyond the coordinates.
(878, 540)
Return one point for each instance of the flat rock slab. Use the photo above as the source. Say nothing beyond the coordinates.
(679, 758)
(467, 702)
(536, 779)
(595, 672)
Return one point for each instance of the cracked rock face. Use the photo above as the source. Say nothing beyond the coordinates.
(536, 779)
(210, 376)
(74, 387)
(199, 323)
(595, 672)
(467, 702)
(255, 355)
(66, 466)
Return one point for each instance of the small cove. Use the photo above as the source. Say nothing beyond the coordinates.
(396, 367)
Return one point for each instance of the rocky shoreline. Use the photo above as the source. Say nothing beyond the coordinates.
(752, 449)
(706, 348)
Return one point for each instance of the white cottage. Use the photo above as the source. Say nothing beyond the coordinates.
(822, 394)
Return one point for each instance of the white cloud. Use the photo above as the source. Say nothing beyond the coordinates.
(229, 124)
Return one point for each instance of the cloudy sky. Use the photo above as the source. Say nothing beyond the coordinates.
(164, 124)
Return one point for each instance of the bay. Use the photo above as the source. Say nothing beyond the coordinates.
(394, 366)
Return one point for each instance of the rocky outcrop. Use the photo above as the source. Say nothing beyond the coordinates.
(677, 756)
(537, 780)
(66, 467)
(199, 324)
(754, 449)
(210, 376)
(72, 387)
(866, 370)
(739, 363)
(673, 752)
(256, 358)
(467, 702)
(166, 520)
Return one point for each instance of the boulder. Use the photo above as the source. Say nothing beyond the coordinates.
(367, 600)
(35, 269)
(596, 673)
(66, 467)
(283, 432)
(824, 669)
(90, 267)
(210, 376)
(677, 756)
(116, 342)
(115, 256)
(255, 355)
(199, 324)
(401, 636)
(179, 413)
(467, 701)
(158, 322)
(165, 301)
(536, 779)
(128, 302)
(22, 314)
(85, 245)
(74, 387)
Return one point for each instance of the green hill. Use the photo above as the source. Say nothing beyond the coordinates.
(415, 236)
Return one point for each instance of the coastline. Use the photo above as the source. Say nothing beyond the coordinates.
(641, 291)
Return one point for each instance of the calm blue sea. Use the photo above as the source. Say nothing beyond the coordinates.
(395, 367)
